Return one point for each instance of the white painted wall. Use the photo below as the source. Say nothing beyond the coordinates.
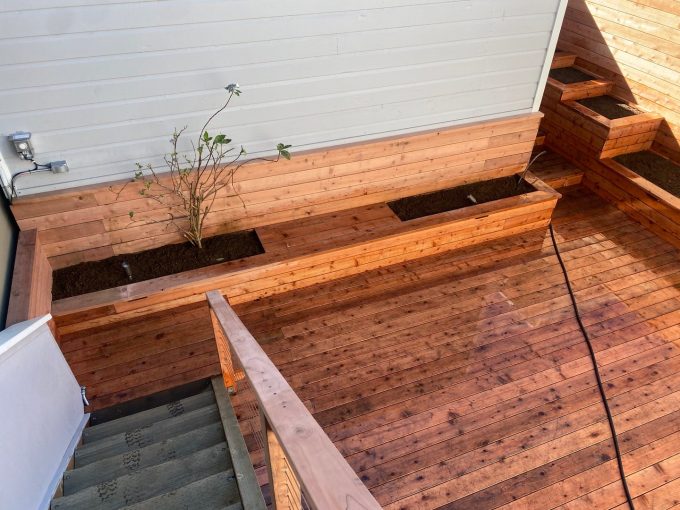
(42, 415)
(103, 84)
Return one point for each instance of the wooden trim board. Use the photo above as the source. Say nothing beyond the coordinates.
(31, 290)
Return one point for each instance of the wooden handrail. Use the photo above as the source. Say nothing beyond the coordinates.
(300, 457)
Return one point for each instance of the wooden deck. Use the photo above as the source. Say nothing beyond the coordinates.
(462, 381)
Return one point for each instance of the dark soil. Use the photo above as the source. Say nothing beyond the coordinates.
(569, 75)
(609, 107)
(456, 198)
(656, 169)
(154, 263)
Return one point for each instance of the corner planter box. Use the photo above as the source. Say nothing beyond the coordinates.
(643, 200)
(312, 250)
(577, 84)
(604, 137)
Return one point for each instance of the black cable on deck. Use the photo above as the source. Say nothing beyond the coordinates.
(629, 498)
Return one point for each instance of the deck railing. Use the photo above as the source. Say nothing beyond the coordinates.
(301, 459)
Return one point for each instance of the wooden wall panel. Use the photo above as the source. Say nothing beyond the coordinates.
(636, 44)
(142, 356)
(93, 222)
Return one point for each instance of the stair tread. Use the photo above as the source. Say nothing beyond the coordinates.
(144, 418)
(216, 492)
(145, 436)
(149, 482)
(134, 460)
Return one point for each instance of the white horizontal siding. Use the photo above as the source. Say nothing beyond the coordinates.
(104, 85)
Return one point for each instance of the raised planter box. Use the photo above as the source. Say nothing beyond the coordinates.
(596, 135)
(643, 200)
(304, 252)
(588, 85)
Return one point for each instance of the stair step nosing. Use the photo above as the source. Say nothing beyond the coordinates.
(124, 442)
(201, 464)
(133, 421)
(118, 465)
(222, 481)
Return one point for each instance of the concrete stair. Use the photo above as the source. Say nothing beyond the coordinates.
(185, 455)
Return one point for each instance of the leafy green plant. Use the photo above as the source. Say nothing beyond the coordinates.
(190, 184)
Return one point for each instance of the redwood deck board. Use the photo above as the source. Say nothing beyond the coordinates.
(461, 380)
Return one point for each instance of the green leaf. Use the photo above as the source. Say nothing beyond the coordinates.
(222, 139)
(285, 154)
(131, 214)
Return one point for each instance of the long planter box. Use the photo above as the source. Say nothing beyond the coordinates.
(644, 201)
(295, 257)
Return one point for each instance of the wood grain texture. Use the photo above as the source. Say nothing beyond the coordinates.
(94, 222)
(642, 200)
(567, 121)
(462, 381)
(636, 46)
(131, 341)
(31, 290)
(308, 251)
(295, 440)
(554, 170)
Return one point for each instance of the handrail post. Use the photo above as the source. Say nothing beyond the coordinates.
(224, 354)
(285, 487)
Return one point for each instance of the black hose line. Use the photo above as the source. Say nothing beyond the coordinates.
(629, 498)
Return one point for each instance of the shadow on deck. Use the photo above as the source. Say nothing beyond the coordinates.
(462, 381)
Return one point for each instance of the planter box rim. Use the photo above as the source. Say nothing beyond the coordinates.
(199, 278)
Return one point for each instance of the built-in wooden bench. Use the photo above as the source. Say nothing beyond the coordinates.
(307, 251)
(554, 170)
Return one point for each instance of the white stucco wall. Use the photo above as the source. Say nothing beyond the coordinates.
(42, 412)
(103, 85)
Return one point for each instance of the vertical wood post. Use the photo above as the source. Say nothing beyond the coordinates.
(285, 487)
(224, 353)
